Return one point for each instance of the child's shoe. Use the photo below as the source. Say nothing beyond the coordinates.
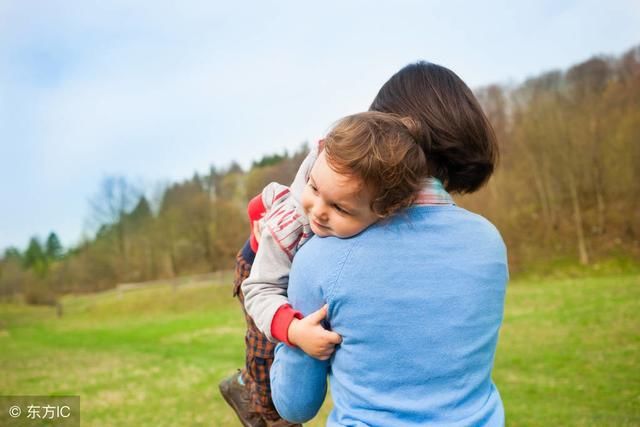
(237, 396)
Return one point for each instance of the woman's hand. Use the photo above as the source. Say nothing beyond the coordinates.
(309, 334)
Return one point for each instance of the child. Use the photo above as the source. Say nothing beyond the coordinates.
(362, 172)
(454, 136)
(368, 167)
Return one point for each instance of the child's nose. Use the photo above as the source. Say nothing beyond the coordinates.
(320, 211)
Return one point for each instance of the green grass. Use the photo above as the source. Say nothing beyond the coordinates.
(568, 353)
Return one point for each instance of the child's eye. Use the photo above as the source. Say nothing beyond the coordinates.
(313, 187)
(340, 209)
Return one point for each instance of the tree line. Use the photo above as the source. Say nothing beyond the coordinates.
(191, 227)
(567, 185)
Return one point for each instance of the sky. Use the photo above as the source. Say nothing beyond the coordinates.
(157, 90)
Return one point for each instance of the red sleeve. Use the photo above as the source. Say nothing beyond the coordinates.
(281, 321)
(255, 210)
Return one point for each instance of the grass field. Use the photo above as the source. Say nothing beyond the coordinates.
(569, 354)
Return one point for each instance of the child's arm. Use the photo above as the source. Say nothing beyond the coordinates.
(289, 326)
(265, 290)
(265, 299)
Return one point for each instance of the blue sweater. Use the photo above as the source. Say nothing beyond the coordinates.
(418, 301)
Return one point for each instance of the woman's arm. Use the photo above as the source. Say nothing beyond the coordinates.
(298, 381)
(298, 384)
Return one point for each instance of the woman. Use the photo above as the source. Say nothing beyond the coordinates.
(418, 299)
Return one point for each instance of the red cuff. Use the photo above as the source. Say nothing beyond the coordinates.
(255, 210)
(281, 321)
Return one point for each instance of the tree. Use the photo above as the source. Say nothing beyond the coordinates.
(141, 212)
(270, 160)
(12, 275)
(35, 258)
(12, 252)
(140, 250)
(109, 209)
(53, 247)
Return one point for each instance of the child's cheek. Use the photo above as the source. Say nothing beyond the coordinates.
(305, 200)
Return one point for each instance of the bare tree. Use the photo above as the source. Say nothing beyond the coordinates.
(109, 207)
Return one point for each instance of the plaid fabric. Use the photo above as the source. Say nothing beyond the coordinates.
(259, 352)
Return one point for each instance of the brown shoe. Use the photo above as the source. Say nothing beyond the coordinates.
(237, 396)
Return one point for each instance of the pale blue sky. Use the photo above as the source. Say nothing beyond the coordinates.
(156, 90)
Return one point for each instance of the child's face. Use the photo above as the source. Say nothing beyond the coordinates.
(337, 205)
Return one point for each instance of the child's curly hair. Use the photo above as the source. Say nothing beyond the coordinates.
(380, 149)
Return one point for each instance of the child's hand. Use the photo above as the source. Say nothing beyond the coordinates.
(308, 334)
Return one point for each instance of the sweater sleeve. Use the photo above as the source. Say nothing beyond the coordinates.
(281, 322)
(265, 290)
(298, 383)
(256, 210)
(272, 194)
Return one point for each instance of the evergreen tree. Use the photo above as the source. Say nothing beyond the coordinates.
(35, 258)
(142, 211)
(53, 247)
(12, 253)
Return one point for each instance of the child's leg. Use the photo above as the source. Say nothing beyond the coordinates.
(259, 350)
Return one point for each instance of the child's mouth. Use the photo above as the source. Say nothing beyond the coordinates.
(317, 224)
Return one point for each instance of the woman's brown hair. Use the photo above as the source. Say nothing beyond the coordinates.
(380, 149)
(455, 135)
